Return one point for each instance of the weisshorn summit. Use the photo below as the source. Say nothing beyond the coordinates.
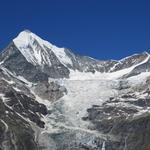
(52, 99)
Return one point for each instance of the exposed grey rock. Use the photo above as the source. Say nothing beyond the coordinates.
(130, 61)
(49, 91)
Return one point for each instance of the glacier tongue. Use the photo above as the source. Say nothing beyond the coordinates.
(37, 51)
(68, 111)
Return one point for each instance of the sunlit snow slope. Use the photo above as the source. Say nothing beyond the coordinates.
(35, 49)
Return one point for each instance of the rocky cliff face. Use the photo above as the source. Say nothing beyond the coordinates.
(52, 99)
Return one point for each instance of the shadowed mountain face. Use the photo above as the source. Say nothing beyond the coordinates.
(53, 99)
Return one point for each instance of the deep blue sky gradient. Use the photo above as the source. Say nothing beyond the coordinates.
(104, 29)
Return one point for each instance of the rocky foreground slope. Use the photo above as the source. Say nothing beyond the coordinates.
(53, 99)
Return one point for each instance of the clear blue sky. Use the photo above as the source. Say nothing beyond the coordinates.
(104, 29)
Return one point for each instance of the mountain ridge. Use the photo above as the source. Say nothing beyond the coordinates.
(38, 51)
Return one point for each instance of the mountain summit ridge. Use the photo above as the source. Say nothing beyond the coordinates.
(28, 32)
(36, 51)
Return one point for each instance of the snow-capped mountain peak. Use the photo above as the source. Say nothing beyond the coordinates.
(37, 50)
(25, 38)
(54, 99)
